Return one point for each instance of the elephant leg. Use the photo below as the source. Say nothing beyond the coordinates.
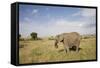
(77, 47)
(66, 47)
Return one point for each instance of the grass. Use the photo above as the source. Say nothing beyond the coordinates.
(44, 51)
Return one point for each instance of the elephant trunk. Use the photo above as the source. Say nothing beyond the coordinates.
(56, 46)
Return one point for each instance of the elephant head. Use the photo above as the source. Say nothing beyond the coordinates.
(58, 38)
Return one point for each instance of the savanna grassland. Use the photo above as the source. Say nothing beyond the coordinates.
(37, 51)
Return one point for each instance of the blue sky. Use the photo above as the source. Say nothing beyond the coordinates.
(48, 20)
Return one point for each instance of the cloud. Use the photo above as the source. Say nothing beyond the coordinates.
(85, 12)
(56, 27)
(64, 23)
(34, 11)
(88, 12)
(27, 19)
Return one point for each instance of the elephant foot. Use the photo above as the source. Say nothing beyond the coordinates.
(77, 51)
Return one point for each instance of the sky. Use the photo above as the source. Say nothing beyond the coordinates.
(53, 20)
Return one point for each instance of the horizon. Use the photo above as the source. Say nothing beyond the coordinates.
(55, 35)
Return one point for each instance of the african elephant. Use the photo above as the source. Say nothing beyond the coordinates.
(69, 40)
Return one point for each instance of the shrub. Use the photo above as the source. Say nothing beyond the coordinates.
(21, 39)
(34, 35)
(21, 46)
(51, 38)
(86, 37)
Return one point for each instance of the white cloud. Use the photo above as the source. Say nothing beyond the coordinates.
(64, 23)
(88, 12)
(55, 27)
(85, 12)
(26, 19)
(35, 11)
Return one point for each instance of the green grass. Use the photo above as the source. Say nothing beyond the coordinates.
(44, 51)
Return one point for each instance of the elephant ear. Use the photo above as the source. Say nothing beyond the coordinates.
(57, 37)
(61, 38)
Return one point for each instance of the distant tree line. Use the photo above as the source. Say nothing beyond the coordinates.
(34, 36)
(88, 36)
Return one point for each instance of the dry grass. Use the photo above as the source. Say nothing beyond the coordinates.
(44, 51)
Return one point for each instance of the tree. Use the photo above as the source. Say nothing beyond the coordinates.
(34, 35)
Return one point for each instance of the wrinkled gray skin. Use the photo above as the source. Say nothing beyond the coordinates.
(69, 40)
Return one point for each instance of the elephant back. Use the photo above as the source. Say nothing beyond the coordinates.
(72, 37)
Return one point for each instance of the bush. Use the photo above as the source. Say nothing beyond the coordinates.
(34, 35)
(51, 38)
(22, 39)
(86, 37)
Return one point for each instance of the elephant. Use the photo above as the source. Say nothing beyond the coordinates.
(69, 40)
